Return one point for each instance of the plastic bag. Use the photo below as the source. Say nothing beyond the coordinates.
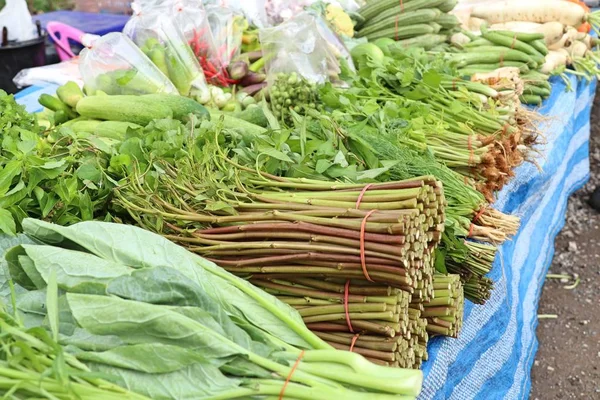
(58, 74)
(253, 10)
(227, 28)
(299, 46)
(158, 35)
(337, 48)
(115, 65)
(17, 20)
(192, 20)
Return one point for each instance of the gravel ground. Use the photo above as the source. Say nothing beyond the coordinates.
(567, 364)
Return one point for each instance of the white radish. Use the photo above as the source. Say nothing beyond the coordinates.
(565, 41)
(541, 11)
(578, 49)
(459, 39)
(554, 60)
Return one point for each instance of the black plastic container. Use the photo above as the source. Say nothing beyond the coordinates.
(15, 56)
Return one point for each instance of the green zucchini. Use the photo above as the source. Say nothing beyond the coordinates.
(123, 108)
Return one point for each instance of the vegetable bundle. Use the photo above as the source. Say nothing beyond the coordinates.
(149, 323)
(422, 23)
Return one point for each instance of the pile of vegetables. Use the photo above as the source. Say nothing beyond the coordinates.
(169, 326)
(549, 38)
(413, 23)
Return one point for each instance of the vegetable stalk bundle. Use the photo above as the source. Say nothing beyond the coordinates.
(445, 311)
(383, 233)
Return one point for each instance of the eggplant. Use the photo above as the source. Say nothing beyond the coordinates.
(238, 70)
(253, 78)
(253, 89)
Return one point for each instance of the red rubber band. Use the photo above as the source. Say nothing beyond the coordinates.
(363, 260)
(346, 297)
(354, 339)
(479, 214)
(471, 228)
(287, 380)
(401, 6)
(361, 195)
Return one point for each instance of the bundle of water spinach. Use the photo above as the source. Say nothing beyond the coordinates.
(164, 323)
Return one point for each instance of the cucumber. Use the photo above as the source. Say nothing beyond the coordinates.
(86, 126)
(60, 117)
(409, 18)
(69, 93)
(181, 106)
(123, 108)
(231, 122)
(54, 104)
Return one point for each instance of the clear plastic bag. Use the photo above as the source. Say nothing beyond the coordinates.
(115, 65)
(192, 20)
(158, 35)
(227, 28)
(299, 46)
(253, 10)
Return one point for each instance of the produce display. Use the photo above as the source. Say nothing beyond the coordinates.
(237, 208)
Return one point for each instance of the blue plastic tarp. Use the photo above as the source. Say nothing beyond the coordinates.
(492, 358)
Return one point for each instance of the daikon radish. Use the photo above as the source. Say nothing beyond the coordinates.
(578, 49)
(565, 41)
(540, 11)
(552, 31)
(554, 60)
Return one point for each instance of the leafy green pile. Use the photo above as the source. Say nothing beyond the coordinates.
(166, 324)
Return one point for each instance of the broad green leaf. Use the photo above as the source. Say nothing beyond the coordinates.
(152, 358)
(74, 268)
(196, 382)
(322, 166)
(137, 323)
(275, 154)
(137, 248)
(7, 243)
(11, 170)
(52, 304)
(7, 222)
(167, 286)
(86, 341)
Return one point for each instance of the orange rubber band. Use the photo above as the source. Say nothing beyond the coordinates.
(477, 216)
(361, 195)
(287, 380)
(401, 6)
(363, 260)
(354, 339)
(512, 45)
(346, 298)
(471, 152)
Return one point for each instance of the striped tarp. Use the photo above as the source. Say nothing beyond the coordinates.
(492, 358)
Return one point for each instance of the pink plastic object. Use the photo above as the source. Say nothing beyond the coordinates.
(61, 34)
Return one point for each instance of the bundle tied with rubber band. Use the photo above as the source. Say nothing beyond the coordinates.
(159, 36)
(116, 66)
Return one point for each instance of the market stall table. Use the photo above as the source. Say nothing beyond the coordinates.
(493, 356)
